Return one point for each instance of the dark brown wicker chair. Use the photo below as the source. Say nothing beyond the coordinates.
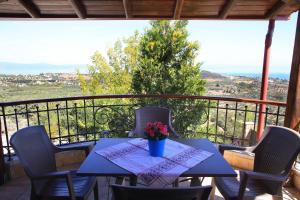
(150, 114)
(138, 193)
(274, 157)
(37, 155)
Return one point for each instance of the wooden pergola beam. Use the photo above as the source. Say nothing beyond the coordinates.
(178, 9)
(279, 5)
(78, 8)
(30, 8)
(126, 5)
(292, 113)
(226, 9)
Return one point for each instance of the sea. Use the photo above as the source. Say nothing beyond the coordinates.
(284, 76)
(38, 68)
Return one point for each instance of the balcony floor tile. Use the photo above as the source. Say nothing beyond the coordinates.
(19, 189)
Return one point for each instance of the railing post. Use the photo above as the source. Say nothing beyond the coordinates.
(292, 114)
(265, 78)
(2, 163)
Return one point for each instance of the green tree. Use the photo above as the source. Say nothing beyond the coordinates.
(166, 64)
(110, 75)
(160, 61)
(166, 61)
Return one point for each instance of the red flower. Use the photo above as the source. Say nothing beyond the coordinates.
(156, 130)
(164, 129)
(149, 124)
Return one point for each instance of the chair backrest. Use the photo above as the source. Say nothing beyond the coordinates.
(145, 193)
(276, 153)
(151, 114)
(35, 150)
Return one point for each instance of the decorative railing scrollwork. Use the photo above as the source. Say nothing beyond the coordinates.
(88, 118)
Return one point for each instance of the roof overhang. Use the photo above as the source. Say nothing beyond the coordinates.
(148, 9)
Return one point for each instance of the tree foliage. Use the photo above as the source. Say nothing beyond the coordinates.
(166, 62)
(162, 60)
(111, 75)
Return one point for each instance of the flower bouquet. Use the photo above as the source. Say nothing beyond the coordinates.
(156, 132)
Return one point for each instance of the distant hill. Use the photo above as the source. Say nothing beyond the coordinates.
(211, 75)
(37, 68)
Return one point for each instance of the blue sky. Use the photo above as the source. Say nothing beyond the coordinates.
(226, 46)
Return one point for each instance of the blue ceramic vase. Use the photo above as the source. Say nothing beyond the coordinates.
(156, 147)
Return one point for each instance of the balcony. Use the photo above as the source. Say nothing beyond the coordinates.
(81, 119)
(75, 120)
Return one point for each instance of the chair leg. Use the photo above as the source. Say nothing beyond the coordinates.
(279, 194)
(133, 181)
(176, 183)
(201, 180)
(33, 195)
(96, 191)
(195, 182)
(119, 180)
(213, 191)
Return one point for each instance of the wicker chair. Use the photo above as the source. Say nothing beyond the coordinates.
(274, 157)
(138, 193)
(37, 155)
(150, 114)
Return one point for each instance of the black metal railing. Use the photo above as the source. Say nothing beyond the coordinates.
(88, 118)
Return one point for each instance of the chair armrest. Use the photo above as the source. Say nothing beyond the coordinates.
(53, 175)
(174, 133)
(246, 175)
(223, 147)
(263, 176)
(62, 174)
(87, 147)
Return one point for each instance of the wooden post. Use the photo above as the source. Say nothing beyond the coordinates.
(292, 114)
(265, 78)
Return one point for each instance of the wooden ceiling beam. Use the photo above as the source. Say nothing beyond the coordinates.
(226, 9)
(292, 113)
(178, 9)
(127, 9)
(78, 8)
(30, 8)
(278, 6)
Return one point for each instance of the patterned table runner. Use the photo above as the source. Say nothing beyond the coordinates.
(133, 156)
